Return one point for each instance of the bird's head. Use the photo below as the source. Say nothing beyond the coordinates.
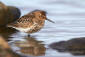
(40, 14)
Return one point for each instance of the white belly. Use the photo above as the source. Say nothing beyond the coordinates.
(28, 28)
(24, 29)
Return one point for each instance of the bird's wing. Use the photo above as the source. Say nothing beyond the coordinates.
(24, 21)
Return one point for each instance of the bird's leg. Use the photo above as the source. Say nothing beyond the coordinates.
(28, 35)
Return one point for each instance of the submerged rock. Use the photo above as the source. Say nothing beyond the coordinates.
(60, 46)
(8, 14)
(75, 46)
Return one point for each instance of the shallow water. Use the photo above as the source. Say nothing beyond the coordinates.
(69, 23)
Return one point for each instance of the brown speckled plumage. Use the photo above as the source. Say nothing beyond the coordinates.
(30, 23)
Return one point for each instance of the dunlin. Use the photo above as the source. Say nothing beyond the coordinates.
(31, 22)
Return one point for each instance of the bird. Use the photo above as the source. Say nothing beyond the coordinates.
(31, 22)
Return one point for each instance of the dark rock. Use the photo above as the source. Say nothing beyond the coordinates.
(3, 10)
(13, 14)
(8, 14)
(75, 46)
(60, 46)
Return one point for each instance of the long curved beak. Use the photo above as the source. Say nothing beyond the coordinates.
(50, 20)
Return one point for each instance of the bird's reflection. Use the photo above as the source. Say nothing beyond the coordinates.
(31, 46)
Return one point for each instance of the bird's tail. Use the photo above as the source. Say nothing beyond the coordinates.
(10, 25)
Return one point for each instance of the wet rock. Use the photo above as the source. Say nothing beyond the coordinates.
(3, 13)
(75, 46)
(5, 50)
(6, 32)
(60, 46)
(8, 14)
(13, 14)
(3, 43)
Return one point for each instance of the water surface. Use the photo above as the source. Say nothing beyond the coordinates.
(69, 23)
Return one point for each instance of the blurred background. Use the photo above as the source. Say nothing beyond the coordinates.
(69, 17)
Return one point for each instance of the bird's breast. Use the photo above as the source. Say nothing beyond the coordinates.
(33, 28)
(36, 27)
